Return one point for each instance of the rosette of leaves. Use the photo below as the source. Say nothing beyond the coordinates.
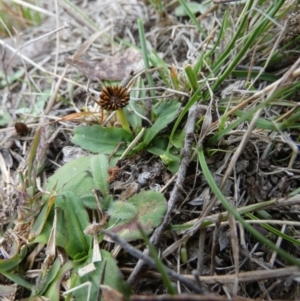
(106, 140)
(72, 187)
(70, 192)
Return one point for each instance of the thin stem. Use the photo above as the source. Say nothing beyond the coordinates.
(123, 120)
(145, 54)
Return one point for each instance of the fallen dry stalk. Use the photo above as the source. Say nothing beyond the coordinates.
(187, 297)
(147, 260)
(176, 192)
(243, 277)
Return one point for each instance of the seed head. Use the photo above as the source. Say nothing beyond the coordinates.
(114, 98)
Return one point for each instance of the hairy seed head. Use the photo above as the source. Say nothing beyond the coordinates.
(114, 98)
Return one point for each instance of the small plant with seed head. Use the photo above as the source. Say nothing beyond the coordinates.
(114, 98)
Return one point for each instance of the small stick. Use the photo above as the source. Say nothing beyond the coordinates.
(175, 194)
(149, 261)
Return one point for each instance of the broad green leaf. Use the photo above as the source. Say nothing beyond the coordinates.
(89, 201)
(106, 202)
(165, 113)
(122, 210)
(173, 161)
(75, 220)
(112, 278)
(72, 219)
(98, 139)
(80, 176)
(151, 207)
(75, 176)
(99, 167)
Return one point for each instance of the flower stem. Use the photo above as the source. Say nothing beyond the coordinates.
(123, 120)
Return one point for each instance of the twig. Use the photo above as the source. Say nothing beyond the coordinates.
(243, 277)
(175, 194)
(235, 251)
(200, 251)
(189, 297)
(214, 244)
(149, 261)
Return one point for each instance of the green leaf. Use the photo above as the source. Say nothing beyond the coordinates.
(122, 210)
(16, 278)
(159, 148)
(98, 139)
(99, 167)
(75, 176)
(144, 50)
(61, 233)
(72, 219)
(165, 113)
(8, 264)
(112, 278)
(151, 207)
(75, 220)
(50, 276)
(192, 78)
(54, 289)
(41, 220)
(138, 106)
(159, 265)
(214, 187)
(178, 139)
(80, 176)
(273, 230)
(89, 200)
(253, 74)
